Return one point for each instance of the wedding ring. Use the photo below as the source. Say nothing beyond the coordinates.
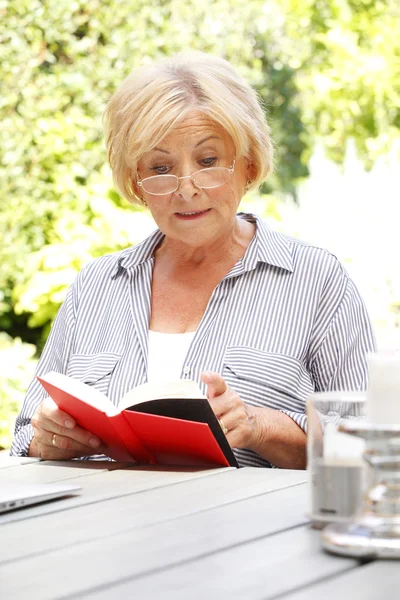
(53, 440)
(223, 426)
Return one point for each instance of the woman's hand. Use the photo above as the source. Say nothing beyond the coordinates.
(268, 432)
(58, 437)
(242, 421)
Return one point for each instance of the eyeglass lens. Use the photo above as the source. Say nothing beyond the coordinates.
(205, 178)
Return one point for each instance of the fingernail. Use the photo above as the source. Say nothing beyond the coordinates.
(70, 424)
(94, 442)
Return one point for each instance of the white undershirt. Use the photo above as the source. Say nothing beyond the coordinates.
(167, 352)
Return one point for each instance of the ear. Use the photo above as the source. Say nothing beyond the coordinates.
(135, 187)
(137, 190)
(251, 170)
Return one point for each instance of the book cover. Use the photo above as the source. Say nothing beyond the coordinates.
(168, 424)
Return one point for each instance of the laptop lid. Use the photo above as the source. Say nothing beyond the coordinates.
(17, 495)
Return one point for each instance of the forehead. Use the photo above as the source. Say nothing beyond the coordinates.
(194, 127)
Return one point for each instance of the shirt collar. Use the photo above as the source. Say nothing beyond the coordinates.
(138, 254)
(267, 246)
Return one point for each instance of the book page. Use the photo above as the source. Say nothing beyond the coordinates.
(81, 390)
(182, 388)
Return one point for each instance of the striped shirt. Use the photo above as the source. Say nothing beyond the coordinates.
(284, 322)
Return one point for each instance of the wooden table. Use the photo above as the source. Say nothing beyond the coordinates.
(143, 532)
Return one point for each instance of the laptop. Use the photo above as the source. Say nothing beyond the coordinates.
(18, 495)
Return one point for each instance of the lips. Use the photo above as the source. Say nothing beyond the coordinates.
(192, 213)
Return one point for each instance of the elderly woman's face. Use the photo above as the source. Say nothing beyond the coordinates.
(194, 215)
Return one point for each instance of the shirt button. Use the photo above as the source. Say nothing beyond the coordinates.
(186, 370)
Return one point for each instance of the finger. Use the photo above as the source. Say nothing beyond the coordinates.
(63, 442)
(216, 384)
(232, 419)
(243, 426)
(232, 433)
(221, 405)
(239, 436)
(232, 425)
(53, 453)
(78, 434)
(50, 410)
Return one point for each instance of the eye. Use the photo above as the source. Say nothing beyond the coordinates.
(160, 169)
(208, 162)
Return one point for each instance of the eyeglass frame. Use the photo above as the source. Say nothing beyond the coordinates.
(230, 169)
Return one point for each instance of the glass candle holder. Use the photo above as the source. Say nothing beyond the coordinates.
(337, 473)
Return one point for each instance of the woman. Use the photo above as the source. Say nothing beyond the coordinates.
(258, 319)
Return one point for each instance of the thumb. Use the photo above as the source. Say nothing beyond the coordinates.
(215, 383)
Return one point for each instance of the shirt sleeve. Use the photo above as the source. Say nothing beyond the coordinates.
(341, 360)
(338, 361)
(54, 357)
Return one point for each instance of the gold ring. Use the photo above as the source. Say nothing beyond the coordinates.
(223, 426)
(53, 440)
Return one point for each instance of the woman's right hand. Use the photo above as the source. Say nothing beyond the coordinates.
(58, 437)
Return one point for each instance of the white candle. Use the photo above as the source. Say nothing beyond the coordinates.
(383, 397)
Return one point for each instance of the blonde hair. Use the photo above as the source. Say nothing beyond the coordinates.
(153, 99)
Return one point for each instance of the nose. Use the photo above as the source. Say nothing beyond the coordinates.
(187, 189)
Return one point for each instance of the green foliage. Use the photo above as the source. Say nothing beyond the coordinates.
(348, 72)
(17, 368)
(324, 68)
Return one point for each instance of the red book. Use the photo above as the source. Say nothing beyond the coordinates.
(166, 424)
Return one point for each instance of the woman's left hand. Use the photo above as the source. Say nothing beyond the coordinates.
(241, 420)
(268, 432)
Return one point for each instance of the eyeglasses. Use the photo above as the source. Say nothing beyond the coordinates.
(209, 178)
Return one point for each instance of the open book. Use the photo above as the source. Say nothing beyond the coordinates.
(168, 424)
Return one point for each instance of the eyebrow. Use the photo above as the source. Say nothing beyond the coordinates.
(160, 150)
(210, 137)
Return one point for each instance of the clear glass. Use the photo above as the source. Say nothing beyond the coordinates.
(336, 468)
(213, 177)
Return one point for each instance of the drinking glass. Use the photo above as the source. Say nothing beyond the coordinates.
(336, 470)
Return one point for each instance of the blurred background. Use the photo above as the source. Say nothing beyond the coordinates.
(328, 72)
